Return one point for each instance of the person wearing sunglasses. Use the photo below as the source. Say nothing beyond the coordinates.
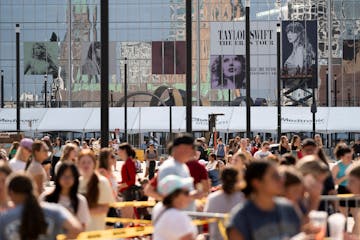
(168, 219)
(264, 152)
(35, 169)
(264, 215)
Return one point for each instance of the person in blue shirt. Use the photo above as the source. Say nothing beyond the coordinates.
(29, 219)
(263, 215)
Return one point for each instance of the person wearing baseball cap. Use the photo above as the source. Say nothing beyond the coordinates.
(168, 219)
(18, 163)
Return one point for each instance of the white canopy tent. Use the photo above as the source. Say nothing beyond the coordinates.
(156, 119)
(30, 118)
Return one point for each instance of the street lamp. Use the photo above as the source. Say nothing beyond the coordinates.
(171, 97)
(313, 106)
(247, 66)
(45, 90)
(17, 31)
(2, 89)
(278, 33)
(126, 100)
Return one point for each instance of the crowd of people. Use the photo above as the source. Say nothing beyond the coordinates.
(50, 187)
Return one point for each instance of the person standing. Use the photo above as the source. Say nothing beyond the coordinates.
(264, 152)
(66, 193)
(284, 145)
(244, 150)
(95, 188)
(18, 163)
(35, 169)
(151, 156)
(168, 219)
(199, 173)
(224, 200)
(69, 154)
(344, 153)
(128, 178)
(57, 149)
(264, 215)
(182, 150)
(29, 219)
(220, 149)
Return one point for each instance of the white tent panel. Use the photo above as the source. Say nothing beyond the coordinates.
(344, 119)
(200, 118)
(238, 120)
(65, 119)
(263, 119)
(155, 119)
(116, 120)
(300, 119)
(178, 119)
(30, 118)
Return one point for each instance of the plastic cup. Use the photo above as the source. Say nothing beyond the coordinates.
(319, 219)
(337, 226)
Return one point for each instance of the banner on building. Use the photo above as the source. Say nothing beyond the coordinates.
(299, 61)
(227, 60)
(351, 56)
(41, 58)
(91, 58)
(169, 57)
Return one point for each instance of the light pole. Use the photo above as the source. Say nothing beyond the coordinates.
(2, 89)
(125, 97)
(278, 33)
(188, 67)
(313, 106)
(171, 97)
(248, 97)
(45, 90)
(104, 73)
(17, 31)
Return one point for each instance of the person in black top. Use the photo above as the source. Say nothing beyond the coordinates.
(284, 145)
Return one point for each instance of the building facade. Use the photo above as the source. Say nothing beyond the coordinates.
(61, 39)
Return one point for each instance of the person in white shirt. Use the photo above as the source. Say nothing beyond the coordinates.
(169, 221)
(95, 188)
(65, 193)
(18, 163)
(264, 152)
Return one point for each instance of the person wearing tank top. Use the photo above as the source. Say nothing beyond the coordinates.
(151, 156)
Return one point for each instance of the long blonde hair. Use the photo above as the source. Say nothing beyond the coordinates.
(67, 150)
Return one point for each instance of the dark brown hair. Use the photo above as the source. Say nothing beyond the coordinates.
(229, 179)
(55, 195)
(341, 149)
(33, 221)
(92, 188)
(104, 158)
(128, 149)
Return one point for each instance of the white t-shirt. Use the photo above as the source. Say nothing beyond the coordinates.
(82, 214)
(97, 221)
(261, 155)
(172, 224)
(17, 165)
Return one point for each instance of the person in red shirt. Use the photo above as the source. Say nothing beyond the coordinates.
(128, 171)
(199, 173)
(128, 178)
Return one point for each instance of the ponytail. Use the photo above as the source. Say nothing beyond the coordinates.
(92, 191)
(33, 222)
